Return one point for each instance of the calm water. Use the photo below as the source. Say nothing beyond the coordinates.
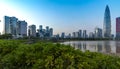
(107, 47)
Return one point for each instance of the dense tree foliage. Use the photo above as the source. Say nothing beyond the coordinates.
(16, 54)
(6, 36)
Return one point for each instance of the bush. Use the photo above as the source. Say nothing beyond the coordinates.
(14, 54)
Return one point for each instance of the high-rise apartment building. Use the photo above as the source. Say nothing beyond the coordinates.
(32, 31)
(21, 29)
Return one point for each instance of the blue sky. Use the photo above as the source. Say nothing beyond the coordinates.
(62, 15)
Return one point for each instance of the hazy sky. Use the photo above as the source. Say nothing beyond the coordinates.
(62, 15)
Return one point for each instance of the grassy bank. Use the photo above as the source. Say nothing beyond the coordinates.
(20, 54)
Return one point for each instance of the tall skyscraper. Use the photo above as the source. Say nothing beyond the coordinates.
(118, 27)
(21, 29)
(107, 23)
(32, 31)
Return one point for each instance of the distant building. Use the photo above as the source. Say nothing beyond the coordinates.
(98, 33)
(80, 33)
(91, 35)
(37, 33)
(63, 35)
(47, 28)
(32, 30)
(68, 36)
(118, 27)
(45, 33)
(73, 35)
(21, 29)
(57, 36)
(41, 33)
(107, 23)
(76, 34)
(84, 34)
(51, 32)
(40, 27)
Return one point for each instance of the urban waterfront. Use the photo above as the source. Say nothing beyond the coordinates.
(106, 47)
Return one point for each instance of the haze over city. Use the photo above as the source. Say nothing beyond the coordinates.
(62, 15)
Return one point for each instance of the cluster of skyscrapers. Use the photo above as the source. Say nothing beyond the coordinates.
(83, 34)
(20, 29)
(45, 33)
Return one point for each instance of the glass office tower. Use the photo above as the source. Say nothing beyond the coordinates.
(107, 23)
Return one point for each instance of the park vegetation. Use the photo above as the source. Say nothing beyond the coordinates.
(20, 54)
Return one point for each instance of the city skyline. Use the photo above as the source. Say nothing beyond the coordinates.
(62, 15)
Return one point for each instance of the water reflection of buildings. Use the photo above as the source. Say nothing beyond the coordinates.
(92, 46)
(107, 47)
(97, 46)
(117, 46)
(82, 46)
(77, 45)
